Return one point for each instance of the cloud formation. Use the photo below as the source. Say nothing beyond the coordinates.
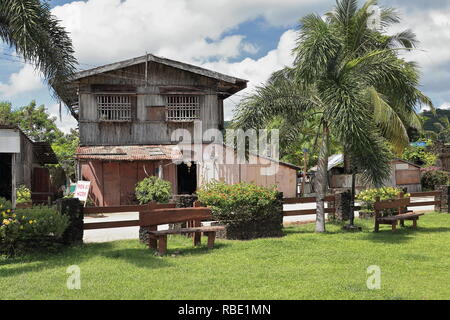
(25, 80)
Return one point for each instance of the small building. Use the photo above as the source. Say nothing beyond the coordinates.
(22, 162)
(404, 175)
(130, 116)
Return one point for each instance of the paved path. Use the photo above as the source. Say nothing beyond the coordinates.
(106, 235)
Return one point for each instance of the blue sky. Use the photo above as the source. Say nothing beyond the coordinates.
(248, 39)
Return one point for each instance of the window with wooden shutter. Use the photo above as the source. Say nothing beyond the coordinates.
(114, 107)
(183, 108)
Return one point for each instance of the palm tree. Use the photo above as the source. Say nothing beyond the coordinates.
(35, 34)
(353, 78)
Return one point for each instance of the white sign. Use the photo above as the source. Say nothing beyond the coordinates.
(82, 190)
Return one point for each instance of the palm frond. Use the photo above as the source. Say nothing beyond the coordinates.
(391, 125)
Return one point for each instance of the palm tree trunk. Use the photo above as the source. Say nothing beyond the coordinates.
(322, 181)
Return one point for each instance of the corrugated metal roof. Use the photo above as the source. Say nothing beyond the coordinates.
(130, 153)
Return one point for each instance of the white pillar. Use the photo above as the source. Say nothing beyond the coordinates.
(13, 180)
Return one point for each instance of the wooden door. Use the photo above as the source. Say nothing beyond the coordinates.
(111, 183)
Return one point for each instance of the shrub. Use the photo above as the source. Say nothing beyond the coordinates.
(23, 194)
(249, 211)
(35, 228)
(5, 204)
(153, 189)
(368, 198)
(434, 178)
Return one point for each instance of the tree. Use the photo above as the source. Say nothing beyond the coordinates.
(35, 34)
(351, 76)
(34, 121)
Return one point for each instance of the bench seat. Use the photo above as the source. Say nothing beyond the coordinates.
(406, 216)
(186, 230)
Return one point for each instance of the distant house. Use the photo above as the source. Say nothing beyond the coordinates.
(22, 162)
(128, 113)
(404, 175)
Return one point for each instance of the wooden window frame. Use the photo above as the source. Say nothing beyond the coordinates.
(182, 108)
(114, 107)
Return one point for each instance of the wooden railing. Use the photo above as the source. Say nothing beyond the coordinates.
(121, 209)
(329, 199)
(436, 202)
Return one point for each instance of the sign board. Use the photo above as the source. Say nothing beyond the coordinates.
(9, 141)
(82, 190)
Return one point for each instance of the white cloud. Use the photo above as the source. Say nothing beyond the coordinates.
(256, 71)
(188, 30)
(25, 80)
(66, 122)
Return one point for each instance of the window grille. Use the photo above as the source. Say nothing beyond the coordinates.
(183, 108)
(114, 107)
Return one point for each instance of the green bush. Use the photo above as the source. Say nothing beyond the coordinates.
(434, 178)
(368, 198)
(153, 189)
(38, 228)
(249, 211)
(23, 194)
(5, 204)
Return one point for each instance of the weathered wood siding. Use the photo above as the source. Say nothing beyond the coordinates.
(113, 183)
(144, 129)
(284, 177)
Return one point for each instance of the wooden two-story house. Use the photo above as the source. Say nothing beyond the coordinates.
(128, 112)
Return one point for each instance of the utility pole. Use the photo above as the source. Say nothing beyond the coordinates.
(305, 169)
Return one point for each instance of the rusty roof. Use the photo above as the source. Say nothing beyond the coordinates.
(129, 153)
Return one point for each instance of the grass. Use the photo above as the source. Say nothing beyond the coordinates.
(415, 264)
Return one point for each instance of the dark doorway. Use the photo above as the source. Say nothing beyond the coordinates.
(5, 174)
(187, 178)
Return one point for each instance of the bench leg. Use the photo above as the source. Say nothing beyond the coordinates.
(415, 223)
(162, 244)
(394, 226)
(211, 239)
(377, 226)
(402, 223)
(152, 240)
(197, 235)
(197, 238)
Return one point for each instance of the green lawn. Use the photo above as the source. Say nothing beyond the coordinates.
(415, 264)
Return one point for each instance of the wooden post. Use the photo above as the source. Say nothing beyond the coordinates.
(151, 240)
(400, 209)
(197, 235)
(377, 216)
(162, 244)
(211, 238)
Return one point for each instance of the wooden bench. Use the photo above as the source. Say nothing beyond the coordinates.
(403, 214)
(158, 239)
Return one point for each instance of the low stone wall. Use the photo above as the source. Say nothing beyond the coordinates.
(444, 207)
(342, 205)
(74, 209)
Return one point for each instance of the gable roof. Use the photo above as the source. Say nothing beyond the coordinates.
(171, 63)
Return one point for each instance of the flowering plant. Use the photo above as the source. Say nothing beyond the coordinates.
(36, 227)
(368, 197)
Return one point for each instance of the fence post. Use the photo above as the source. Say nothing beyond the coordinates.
(73, 208)
(444, 199)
